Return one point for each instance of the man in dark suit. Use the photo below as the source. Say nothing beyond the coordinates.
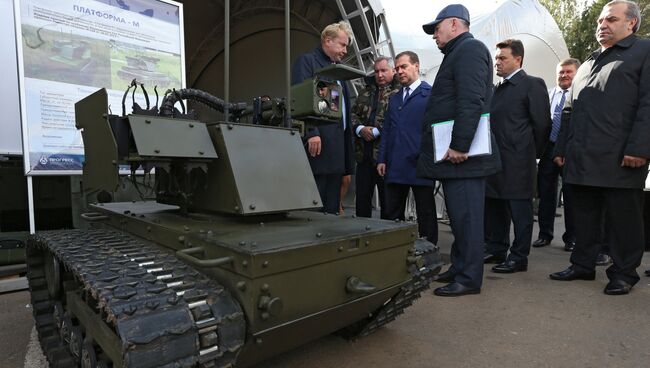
(548, 172)
(400, 147)
(461, 92)
(604, 148)
(520, 120)
(329, 146)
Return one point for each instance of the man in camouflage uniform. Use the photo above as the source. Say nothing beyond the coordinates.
(367, 118)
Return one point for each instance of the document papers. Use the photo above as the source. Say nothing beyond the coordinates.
(481, 144)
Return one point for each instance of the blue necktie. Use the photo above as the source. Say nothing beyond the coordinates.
(557, 118)
(406, 95)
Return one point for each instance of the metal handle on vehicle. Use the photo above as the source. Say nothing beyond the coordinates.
(355, 285)
(93, 216)
(186, 254)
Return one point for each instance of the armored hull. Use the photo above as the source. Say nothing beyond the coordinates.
(149, 287)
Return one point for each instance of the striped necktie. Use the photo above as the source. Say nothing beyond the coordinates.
(557, 117)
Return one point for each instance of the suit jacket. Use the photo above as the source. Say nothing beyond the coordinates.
(607, 116)
(402, 135)
(337, 150)
(461, 92)
(521, 123)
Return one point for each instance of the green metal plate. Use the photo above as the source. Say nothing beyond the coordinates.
(163, 137)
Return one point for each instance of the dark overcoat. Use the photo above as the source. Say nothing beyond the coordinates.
(608, 116)
(337, 150)
(461, 92)
(402, 135)
(520, 119)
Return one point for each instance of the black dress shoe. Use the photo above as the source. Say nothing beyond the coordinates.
(569, 246)
(603, 259)
(570, 274)
(541, 242)
(445, 277)
(455, 289)
(617, 287)
(492, 258)
(510, 267)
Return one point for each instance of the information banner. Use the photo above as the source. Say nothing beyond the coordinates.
(70, 49)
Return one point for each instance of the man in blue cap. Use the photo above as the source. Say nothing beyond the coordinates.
(461, 92)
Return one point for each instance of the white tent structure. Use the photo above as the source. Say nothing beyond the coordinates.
(491, 21)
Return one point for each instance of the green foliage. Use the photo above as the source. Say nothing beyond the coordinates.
(579, 28)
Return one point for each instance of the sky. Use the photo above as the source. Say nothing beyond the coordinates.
(400, 18)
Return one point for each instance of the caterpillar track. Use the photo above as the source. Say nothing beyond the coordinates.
(102, 298)
(421, 279)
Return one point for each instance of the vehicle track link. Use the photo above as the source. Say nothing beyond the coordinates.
(164, 312)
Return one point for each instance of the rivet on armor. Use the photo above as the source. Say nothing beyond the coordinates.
(314, 201)
(191, 125)
(265, 315)
(367, 243)
(244, 263)
(236, 208)
(265, 264)
(367, 227)
(147, 121)
(156, 151)
(254, 244)
(252, 206)
(266, 287)
(104, 115)
(241, 285)
(242, 243)
(181, 239)
(230, 126)
(340, 249)
(258, 341)
(201, 153)
(318, 235)
(186, 228)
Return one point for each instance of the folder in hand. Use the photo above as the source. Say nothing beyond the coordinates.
(481, 144)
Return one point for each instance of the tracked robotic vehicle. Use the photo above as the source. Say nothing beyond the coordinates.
(232, 263)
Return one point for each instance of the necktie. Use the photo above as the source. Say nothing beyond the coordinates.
(406, 94)
(557, 117)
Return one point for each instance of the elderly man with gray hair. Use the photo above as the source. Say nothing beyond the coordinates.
(603, 146)
(329, 146)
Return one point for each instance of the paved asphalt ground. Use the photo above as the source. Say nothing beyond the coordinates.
(519, 320)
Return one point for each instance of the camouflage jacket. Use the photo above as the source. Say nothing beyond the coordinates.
(362, 113)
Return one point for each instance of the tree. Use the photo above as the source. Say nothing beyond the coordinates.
(581, 39)
(563, 11)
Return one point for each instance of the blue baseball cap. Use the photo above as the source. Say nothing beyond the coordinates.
(449, 11)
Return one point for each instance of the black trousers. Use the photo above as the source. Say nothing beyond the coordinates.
(623, 210)
(465, 200)
(425, 207)
(366, 180)
(547, 177)
(498, 215)
(329, 188)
